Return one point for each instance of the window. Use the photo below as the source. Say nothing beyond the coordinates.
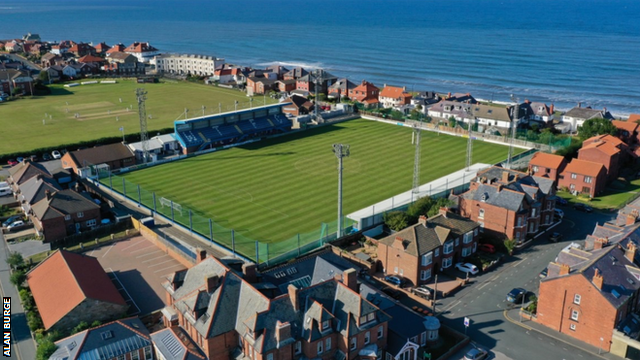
(446, 263)
(270, 356)
(389, 356)
(468, 237)
(371, 316)
(587, 179)
(586, 190)
(425, 274)
(80, 214)
(135, 355)
(437, 253)
(448, 247)
(574, 315)
(519, 220)
(572, 327)
(475, 232)
(533, 212)
(395, 269)
(363, 320)
(367, 338)
(466, 252)
(325, 325)
(91, 222)
(423, 338)
(576, 299)
(481, 214)
(427, 259)
(328, 344)
(380, 332)
(147, 353)
(298, 348)
(67, 217)
(120, 357)
(320, 345)
(574, 176)
(354, 343)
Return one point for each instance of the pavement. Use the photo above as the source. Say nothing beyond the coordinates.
(30, 247)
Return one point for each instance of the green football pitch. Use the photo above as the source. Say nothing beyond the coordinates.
(272, 190)
(103, 109)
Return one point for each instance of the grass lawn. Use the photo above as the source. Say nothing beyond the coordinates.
(101, 112)
(274, 189)
(610, 200)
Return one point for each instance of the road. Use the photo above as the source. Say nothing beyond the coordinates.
(27, 63)
(484, 301)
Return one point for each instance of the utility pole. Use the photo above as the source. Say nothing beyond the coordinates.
(417, 129)
(469, 111)
(141, 95)
(341, 151)
(514, 127)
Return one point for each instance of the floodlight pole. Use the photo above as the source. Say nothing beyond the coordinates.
(514, 127)
(417, 128)
(341, 151)
(469, 139)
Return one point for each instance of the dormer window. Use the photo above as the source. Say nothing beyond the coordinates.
(325, 325)
(484, 197)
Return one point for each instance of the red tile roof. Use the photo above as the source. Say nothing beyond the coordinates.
(138, 47)
(116, 48)
(634, 117)
(630, 126)
(584, 167)
(366, 87)
(102, 47)
(605, 147)
(392, 92)
(90, 58)
(64, 280)
(547, 160)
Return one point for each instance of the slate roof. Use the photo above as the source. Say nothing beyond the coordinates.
(101, 154)
(139, 47)
(455, 107)
(61, 203)
(26, 170)
(491, 112)
(588, 113)
(175, 344)
(104, 342)
(300, 101)
(421, 238)
(343, 84)
(461, 97)
(65, 279)
(296, 73)
(584, 167)
(490, 194)
(34, 189)
(547, 160)
(324, 76)
(118, 55)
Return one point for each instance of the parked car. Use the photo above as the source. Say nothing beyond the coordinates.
(516, 295)
(559, 213)
(422, 291)
(12, 162)
(544, 272)
(56, 154)
(467, 268)
(583, 207)
(19, 159)
(555, 237)
(393, 293)
(488, 248)
(11, 219)
(15, 224)
(46, 157)
(34, 158)
(476, 354)
(396, 280)
(562, 201)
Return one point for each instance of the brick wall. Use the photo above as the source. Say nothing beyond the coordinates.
(611, 163)
(155, 239)
(496, 219)
(90, 310)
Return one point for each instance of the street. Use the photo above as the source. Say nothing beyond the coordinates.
(483, 302)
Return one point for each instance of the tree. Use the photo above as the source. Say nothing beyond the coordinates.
(593, 127)
(44, 76)
(18, 277)
(16, 91)
(396, 115)
(396, 220)
(82, 325)
(452, 121)
(46, 348)
(15, 260)
(33, 321)
(427, 206)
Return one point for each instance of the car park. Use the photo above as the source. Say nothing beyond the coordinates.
(15, 225)
(422, 291)
(467, 268)
(396, 280)
(393, 293)
(11, 220)
(56, 154)
(516, 295)
(583, 207)
(476, 354)
(555, 237)
(488, 248)
(559, 213)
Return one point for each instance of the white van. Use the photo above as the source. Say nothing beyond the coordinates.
(5, 191)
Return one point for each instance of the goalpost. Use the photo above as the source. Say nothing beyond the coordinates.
(166, 202)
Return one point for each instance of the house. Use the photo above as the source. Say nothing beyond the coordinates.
(173, 343)
(228, 76)
(308, 82)
(634, 118)
(31, 37)
(340, 89)
(537, 112)
(50, 59)
(144, 52)
(116, 156)
(63, 213)
(157, 145)
(578, 115)
(101, 48)
(420, 251)
(82, 49)
(87, 59)
(366, 93)
(285, 86)
(23, 171)
(547, 165)
(583, 177)
(115, 48)
(295, 73)
(11, 80)
(299, 106)
(123, 64)
(486, 116)
(121, 339)
(34, 190)
(54, 72)
(425, 99)
(446, 109)
(278, 70)
(197, 65)
(589, 294)
(38, 49)
(14, 46)
(62, 47)
(392, 96)
(69, 288)
(627, 131)
(606, 150)
(509, 203)
(225, 313)
(259, 85)
(76, 70)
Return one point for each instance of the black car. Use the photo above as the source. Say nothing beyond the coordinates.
(561, 201)
(583, 207)
(555, 237)
(544, 273)
(392, 292)
(46, 157)
(516, 295)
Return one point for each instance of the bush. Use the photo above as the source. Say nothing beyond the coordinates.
(510, 245)
(46, 348)
(18, 277)
(27, 300)
(34, 321)
(15, 260)
(82, 325)
(396, 220)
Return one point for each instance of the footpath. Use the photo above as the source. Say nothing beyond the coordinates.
(513, 316)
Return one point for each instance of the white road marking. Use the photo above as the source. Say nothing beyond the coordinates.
(105, 254)
(164, 262)
(151, 253)
(146, 261)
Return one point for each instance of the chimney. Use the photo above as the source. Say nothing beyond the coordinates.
(211, 283)
(422, 220)
(48, 194)
(202, 254)
(564, 269)
(551, 108)
(448, 95)
(350, 279)
(632, 217)
(600, 243)
(597, 279)
(443, 211)
(404, 88)
(24, 161)
(579, 104)
(505, 177)
(630, 252)
(249, 273)
(293, 296)
(283, 332)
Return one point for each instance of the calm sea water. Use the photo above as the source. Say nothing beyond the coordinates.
(556, 51)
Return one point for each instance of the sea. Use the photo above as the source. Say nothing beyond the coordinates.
(556, 51)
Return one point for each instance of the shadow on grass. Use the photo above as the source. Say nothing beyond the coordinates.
(295, 136)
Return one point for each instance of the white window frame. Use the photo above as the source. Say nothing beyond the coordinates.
(371, 316)
(575, 315)
(572, 327)
(298, 348)
(380, 332)
(353, 344)
(91, 222)
(80, 214)
(367, 338)
(475, 232)
(447, 248)
(325, 325)
(446, 262)
(535, 169)
(148, 353)
(466, 252)
(587, 179)
(576, 299)
(468, 237)
(135, 355)
(436, 252)
(320, 347)
(481, 214)
(67, 217)
(574, 176)
(457, 243)
(427, 259)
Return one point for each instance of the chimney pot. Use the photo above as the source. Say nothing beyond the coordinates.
(564, 269)
(422, 220)
(630, 252)
(505, 177)
(350, 279)
(443, 211)
(597, 279)
(48, 194)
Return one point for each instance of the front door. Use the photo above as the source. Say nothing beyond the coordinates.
(77, 227)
